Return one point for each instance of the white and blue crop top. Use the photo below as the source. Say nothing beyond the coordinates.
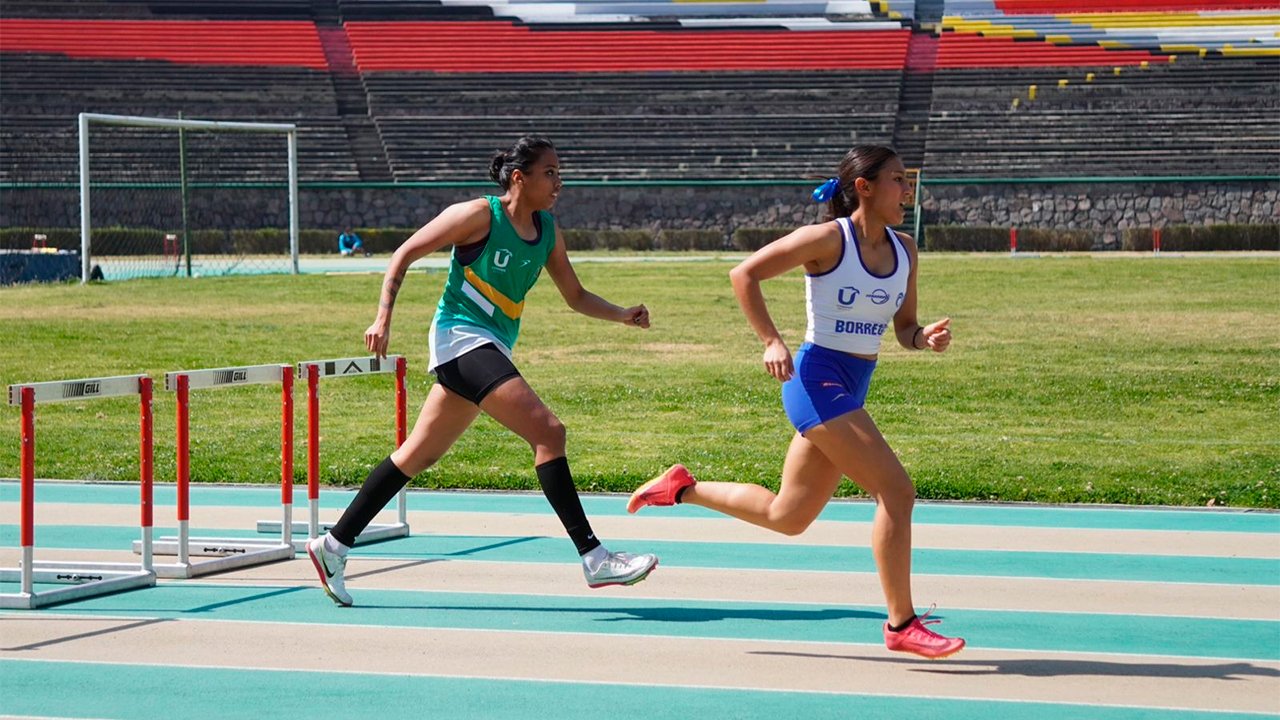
(849, 306)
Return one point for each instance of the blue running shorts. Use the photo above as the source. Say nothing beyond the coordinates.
(827, 384)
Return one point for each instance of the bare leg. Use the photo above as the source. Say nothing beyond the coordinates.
(518, 407)
(443, 419)
(853, 443)
(809, 480)
(520, 410)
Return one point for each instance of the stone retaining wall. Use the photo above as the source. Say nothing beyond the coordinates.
(1108, 208)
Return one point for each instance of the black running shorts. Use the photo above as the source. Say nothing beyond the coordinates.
(476, 373)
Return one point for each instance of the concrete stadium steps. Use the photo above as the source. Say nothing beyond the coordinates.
(666, 102)
(691, 93)
(681, 125)
(32, 81)
(1195, 116)
(45, 149)
(43, 94)
(649, 147)
(1216, 86)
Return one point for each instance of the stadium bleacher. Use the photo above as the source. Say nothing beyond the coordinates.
(1045, 88)
(414, 90)
(52, 70)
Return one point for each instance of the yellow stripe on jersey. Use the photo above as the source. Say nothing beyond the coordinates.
(509, 307)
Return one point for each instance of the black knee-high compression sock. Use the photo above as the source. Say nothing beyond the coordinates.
(557, 485)
(382, 484)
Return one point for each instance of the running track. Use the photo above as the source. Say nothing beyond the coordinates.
(1070, 612)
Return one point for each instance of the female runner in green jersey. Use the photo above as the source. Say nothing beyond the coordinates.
(501, 244)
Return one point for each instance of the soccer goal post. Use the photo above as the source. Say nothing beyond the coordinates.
(174, 196)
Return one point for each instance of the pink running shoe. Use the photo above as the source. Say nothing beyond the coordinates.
(918, 639)
(662, 490)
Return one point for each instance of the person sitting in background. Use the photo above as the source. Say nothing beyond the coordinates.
(349, 243)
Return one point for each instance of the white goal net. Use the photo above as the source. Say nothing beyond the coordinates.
(164, 197)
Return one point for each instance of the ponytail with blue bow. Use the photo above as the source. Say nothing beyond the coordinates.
(826, 190)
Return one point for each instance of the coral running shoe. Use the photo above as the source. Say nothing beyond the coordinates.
(920, 640)
(662, 490)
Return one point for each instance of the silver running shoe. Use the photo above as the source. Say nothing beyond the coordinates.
(331, 568)
(621, 568)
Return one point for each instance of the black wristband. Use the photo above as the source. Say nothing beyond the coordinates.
(913, 339)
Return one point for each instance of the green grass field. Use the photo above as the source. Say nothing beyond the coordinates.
(1071, 378)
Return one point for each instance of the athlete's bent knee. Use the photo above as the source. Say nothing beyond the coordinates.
(899, 499)
(792, 525)
(552, 437)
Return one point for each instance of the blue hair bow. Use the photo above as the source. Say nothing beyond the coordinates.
(826, 190)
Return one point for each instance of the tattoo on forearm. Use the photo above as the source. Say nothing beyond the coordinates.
(390, 290)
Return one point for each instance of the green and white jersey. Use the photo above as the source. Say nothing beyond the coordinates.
(484, 299)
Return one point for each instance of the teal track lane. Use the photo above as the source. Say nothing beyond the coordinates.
(1079, 517)
(144, 692)
(743, 556)
(1255, 640)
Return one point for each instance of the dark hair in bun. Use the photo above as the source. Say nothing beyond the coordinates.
(521, 157)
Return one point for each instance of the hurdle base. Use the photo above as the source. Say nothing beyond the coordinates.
(377, 532)
(228, 554)
(82, 580)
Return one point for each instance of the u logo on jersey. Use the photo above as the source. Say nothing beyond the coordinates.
(846, 296)
(501, 258)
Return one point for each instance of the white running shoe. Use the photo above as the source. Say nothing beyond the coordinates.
(620, 568)
(331, 568)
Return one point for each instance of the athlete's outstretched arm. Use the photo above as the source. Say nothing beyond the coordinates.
(906, 325)
(579, 299)
(459, 224)
(816, 247)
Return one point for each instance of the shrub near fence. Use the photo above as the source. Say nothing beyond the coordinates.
(679, 239)
(20, 238)
(953, 238)
(752, 239)
(963, 238)
(1054, 240)
(1179, 238)
(318, 242)
(121, 241)
(1188, 238)
(607, 239)
(263, 241)
(577, 239)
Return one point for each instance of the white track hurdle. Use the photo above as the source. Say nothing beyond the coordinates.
(229, 553)
(86, 579)
(344, 367)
